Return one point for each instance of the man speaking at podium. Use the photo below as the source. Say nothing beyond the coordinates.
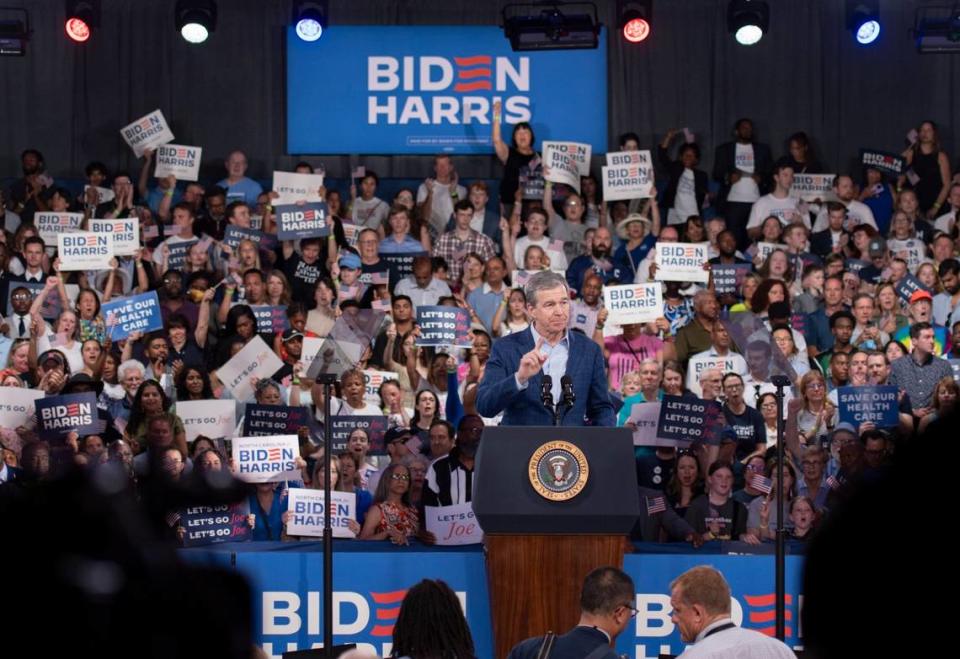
(546, 372)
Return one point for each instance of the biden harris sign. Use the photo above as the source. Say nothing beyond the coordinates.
(430, 89)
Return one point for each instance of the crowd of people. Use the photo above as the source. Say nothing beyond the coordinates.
(858, 288)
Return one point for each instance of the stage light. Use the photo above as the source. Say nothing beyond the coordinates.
(748, 20)
(863, 19)
(195, 19)
(635, 19)
(81, 17)
(14, 31)
(309, 19)
(551, 25)
(936, 29)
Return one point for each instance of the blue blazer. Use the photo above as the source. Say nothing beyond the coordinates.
(498, 390)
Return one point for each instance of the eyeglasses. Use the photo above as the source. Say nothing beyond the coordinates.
(400, 477)
(633, 610)
(815, 385)
(21, 297)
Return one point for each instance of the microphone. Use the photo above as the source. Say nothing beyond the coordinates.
(568, 396)
(546, 392)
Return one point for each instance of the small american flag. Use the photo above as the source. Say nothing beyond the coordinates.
(359, 172)
(833, 482)
(762, 484)
(656, 505)
(172, 518)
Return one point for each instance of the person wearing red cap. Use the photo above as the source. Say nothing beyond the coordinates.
(921, 311)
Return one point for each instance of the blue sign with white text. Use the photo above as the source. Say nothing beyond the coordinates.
(430, 89)
(137, 313)
(370, 580)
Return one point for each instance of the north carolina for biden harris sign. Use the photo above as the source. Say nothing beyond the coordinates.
(424, 89)
(266, 459)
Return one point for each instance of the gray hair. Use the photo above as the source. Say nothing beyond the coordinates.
(546, 280)
(131, 364)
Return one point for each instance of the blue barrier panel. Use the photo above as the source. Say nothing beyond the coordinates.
(371, 579)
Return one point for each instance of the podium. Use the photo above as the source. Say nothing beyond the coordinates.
(554, 503)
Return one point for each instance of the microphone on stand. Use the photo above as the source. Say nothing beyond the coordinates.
(546, 392)
(567, 395)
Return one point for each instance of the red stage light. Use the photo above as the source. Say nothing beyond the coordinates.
(77, 29)
(636, 30)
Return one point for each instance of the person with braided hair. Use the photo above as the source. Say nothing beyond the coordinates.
(431, 625)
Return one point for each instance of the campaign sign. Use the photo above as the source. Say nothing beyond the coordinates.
(182, 162)
(627, 175)
(296, 221)
(306, 512)
(687, 420)
(350, 231)
(103, 194)
(256, 359)
(566, 162)
(233, 234)
(681, 262)
(888, 163)
(17, 405)
(51, 304)
(209, 418)
(274, 420)
(644, 417)
(50, 225)
(84, 250)
(270, 319)
(402, 263)
(125, 232)
(372, 381)
(443, 326)
(955, 365)
(727, 279)
(57, 416)
(147, 133)
(453, 525)
(329, 355)
(633, 303)
(850, 265)
(208, 525)
(266, 459)
(811, 187)
(908, 285)
(427, 89)
(764, 249)
(912, 250)
(729, 363)
(341, 426)
(177, 256)
(875, 404)
(138, 313)
(293, 187)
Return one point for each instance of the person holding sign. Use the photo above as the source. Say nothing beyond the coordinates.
(319, 482)
(391, 515)
(518, 363)
(687, 188)
(515, 157)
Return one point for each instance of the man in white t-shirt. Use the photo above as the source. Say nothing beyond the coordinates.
(183, 223)
(740, 167)
(778, 203)
(438, 195)
(857, 211)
